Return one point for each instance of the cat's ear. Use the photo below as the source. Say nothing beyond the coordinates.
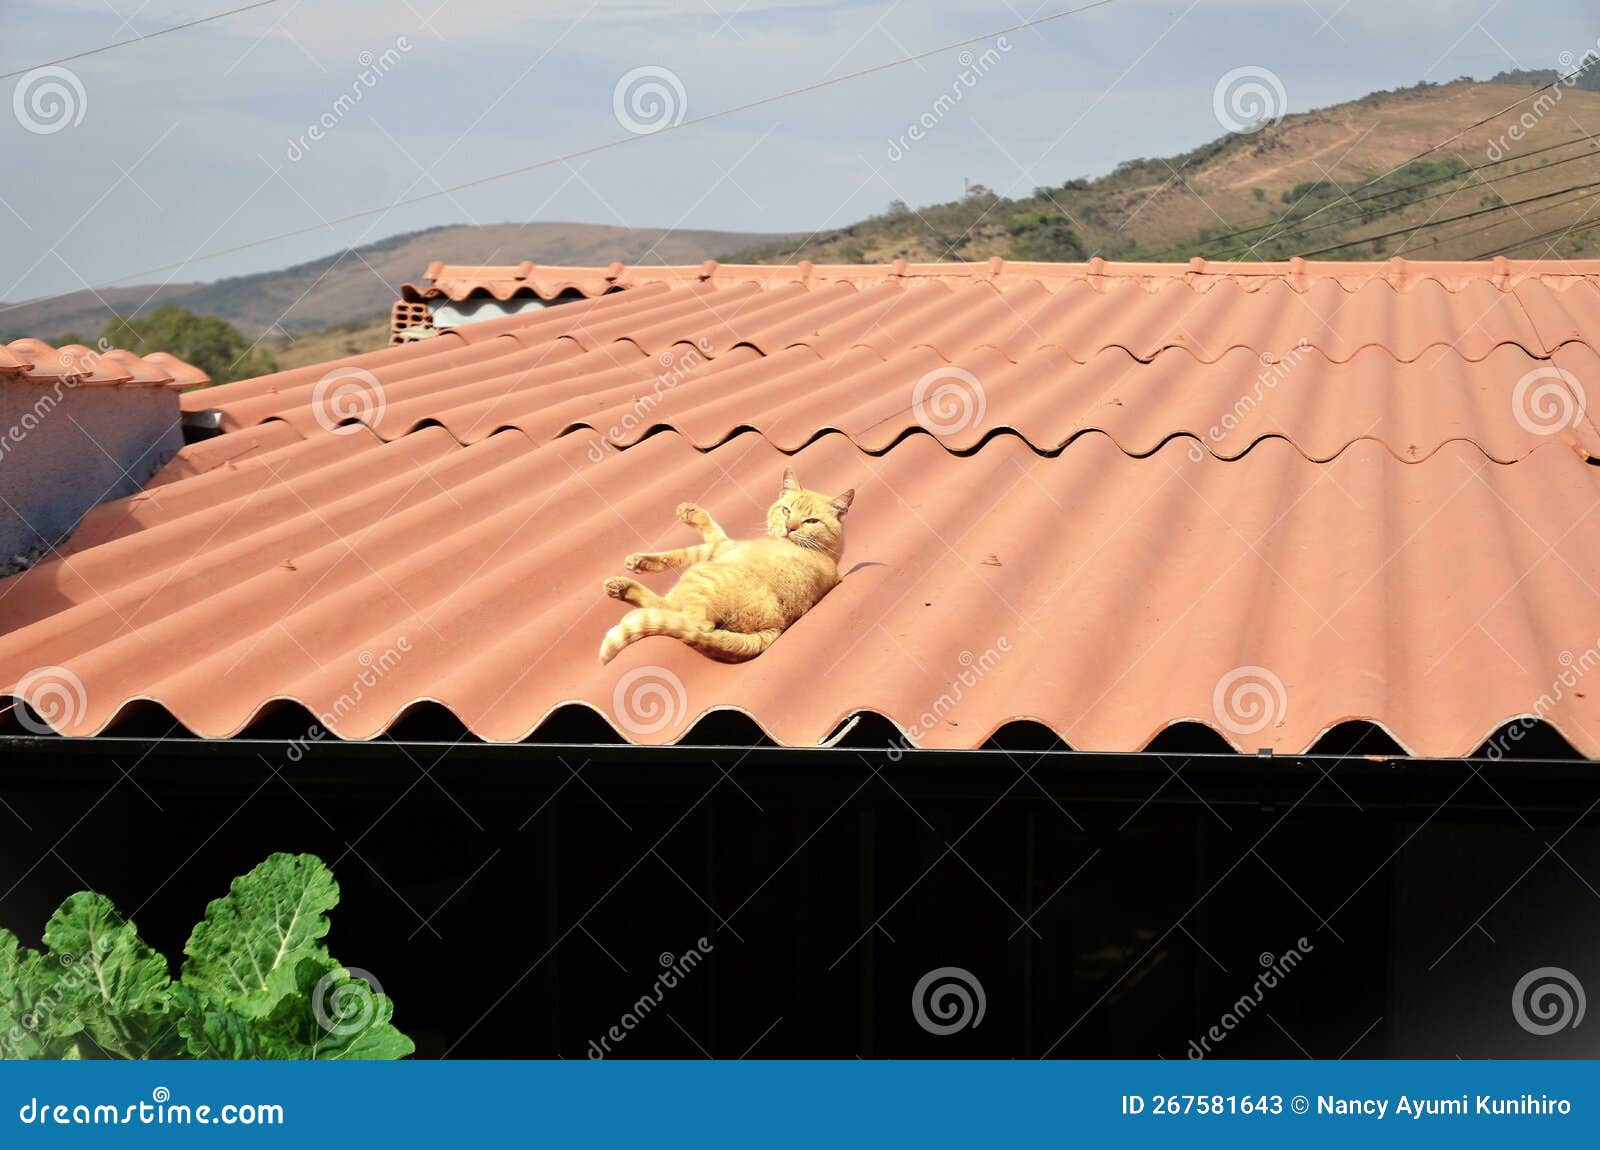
(790, 483)
(841, 503)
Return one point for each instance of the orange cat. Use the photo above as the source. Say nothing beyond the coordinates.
(738, 595)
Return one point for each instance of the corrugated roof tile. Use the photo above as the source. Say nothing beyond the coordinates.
(1103, 595)
(1414, 367)
(1267, 498)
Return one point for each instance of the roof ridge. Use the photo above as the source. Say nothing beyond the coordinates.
(460, 282)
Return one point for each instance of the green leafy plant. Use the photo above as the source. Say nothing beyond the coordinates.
(257, 981)
(213, 345)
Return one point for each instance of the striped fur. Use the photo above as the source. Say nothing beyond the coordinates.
(725, 646)
(736, 597)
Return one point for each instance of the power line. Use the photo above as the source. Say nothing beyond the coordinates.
(1377, 214)
(1381, 193)
(580, 153)
(1554, 233)
(137, 39)
(1489, 227)
(1473, 126)
(1533, 94)
(1451, 219)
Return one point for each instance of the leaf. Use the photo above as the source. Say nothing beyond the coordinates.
(105, 983)
(258, 982)
(333, 1017)
(32, 1023)
(12, 955)
(214, 1030)
(245, 952)
(18, 994)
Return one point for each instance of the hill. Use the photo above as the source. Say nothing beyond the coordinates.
(346, 288)
(1583, 75)
(1314, 162)
(1533, 193)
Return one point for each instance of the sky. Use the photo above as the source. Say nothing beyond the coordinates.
(169, 149)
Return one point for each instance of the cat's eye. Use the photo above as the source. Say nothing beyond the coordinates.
(813, 521)
(783, 511)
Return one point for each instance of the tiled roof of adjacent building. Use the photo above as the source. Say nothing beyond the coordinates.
(35, 361)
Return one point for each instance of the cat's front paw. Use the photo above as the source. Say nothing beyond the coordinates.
(642, 563)
(617, 587)
(693, 514)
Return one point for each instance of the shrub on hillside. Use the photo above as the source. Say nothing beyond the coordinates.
(213, 345)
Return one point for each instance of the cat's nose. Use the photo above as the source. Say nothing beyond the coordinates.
(791, 527)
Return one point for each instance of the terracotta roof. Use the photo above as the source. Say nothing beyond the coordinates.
(1103, 595)
(507, 281)
(38, 362)
(1413, 369)
(1391, 531)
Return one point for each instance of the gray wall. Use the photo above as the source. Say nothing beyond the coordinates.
(447, 313)
(64, 449)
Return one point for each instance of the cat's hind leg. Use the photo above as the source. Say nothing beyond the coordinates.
(632, 591)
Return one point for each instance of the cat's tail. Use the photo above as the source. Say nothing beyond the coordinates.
(732, 646)
(727, 646)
